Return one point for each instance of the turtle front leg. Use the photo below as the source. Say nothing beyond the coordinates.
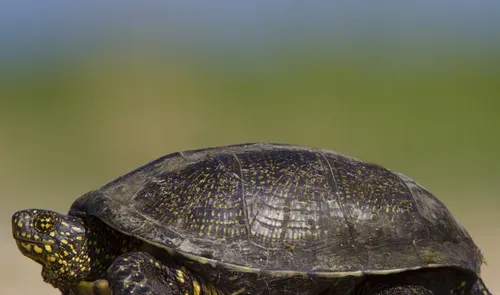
(141, 273)
(406, 290)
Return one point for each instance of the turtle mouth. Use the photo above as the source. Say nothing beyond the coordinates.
(30, 241)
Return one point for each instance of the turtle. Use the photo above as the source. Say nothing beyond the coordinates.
(255, 218)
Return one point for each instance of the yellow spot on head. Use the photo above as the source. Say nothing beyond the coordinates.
(48, 248)
(64, 241)
(72, 248)
(38, 249)
(26, 246)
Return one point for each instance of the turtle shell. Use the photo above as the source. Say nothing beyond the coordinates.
(284, 210)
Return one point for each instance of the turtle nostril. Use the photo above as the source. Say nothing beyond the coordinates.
(15, 217)
(16, 221)
(20, 221)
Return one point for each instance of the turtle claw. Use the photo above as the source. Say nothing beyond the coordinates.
(101, 287)
(98, 287)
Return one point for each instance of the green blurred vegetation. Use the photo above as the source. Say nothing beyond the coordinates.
(434, 119)
(69, 126)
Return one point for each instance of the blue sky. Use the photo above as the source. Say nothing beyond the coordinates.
(37, 27)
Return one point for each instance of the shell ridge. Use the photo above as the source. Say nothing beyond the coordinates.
(243, 194)
(408, 183)
(287, 212)
(404, 180)
(339, 203)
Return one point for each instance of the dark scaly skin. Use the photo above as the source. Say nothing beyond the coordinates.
(57, 242)
(72, 255)
(141, 273)
(423, 281)
(85, 257)
(406, 290)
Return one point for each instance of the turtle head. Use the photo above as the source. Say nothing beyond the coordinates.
(56, 241)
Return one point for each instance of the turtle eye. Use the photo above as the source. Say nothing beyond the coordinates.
(44, 223)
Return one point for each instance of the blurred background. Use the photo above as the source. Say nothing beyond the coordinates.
(90, 92)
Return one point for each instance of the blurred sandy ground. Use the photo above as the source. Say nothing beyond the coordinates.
(74, 121)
